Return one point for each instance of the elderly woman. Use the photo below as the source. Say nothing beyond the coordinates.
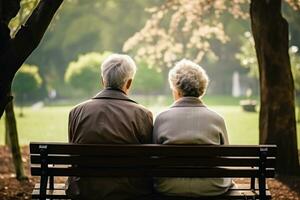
(189, 121)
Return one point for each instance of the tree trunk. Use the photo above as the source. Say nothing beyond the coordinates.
(7, 142)
(277, 123)
(14, 51)
(22, 106)
(12, 138)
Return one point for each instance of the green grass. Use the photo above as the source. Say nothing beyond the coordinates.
(46, 124)
(50, 123)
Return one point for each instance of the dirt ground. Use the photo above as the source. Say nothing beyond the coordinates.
(284, 188)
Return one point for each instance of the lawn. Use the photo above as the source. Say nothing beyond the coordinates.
(50, 123)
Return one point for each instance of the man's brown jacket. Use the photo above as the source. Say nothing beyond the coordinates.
(109, 117)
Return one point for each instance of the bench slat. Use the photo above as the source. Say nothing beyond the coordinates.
(152, 149)
(151, 161)
(242, 186)
(243, 190)
(152, 172)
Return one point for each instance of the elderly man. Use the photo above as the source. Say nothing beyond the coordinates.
(111, 117)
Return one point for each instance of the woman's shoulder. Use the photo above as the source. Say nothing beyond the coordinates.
(214, 114)
(163, 113)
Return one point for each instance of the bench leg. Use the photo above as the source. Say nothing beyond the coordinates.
(252, 183)
(262, 188)
(51, 183)
(43, 187)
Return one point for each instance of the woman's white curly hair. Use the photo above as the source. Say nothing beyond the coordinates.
(188, 78)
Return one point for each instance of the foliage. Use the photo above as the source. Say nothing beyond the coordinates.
(27, 80)
(147, 80)
(94, 25)
(295, 4)
(182, 28)
(26, 8)
(247, 55)
(295, 62)
(87, 26)
(247, 58)
(84, 73)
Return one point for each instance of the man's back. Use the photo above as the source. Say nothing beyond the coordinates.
(110, 117)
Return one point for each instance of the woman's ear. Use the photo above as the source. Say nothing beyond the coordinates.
(176, 94)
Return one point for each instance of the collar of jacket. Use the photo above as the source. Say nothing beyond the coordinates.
(110, 93)
(188, 102)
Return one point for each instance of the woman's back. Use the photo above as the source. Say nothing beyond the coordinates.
(188, 121)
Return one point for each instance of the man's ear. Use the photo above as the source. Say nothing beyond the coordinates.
(128, 83)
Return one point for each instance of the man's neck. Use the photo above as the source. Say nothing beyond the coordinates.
(117, 89)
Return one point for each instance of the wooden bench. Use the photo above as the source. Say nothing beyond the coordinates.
(257, 162)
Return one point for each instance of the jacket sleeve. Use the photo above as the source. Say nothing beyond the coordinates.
(70, 127)
(146, 128)
(224, 135)
(155, 135)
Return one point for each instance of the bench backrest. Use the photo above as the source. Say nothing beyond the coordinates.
(128, 160)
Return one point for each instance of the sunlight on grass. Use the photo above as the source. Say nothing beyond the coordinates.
(45, 124)
(242, 126)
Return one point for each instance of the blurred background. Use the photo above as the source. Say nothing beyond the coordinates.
(65, 69)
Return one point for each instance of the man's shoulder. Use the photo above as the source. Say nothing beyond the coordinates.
(80, 106)
(126, 104)
(142, 108)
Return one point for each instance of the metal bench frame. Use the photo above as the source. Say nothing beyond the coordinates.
(151, 160)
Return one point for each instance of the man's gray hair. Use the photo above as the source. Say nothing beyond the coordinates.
(188, 78)
(117, 69)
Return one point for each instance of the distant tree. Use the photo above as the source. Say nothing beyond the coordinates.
(88, 25)
(182, 28)
(247, 56)
(26, 81)
(84, 73)
(295, 62)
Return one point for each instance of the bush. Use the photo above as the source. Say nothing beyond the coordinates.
(26, 81)
(84, 73)
(147, 80)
